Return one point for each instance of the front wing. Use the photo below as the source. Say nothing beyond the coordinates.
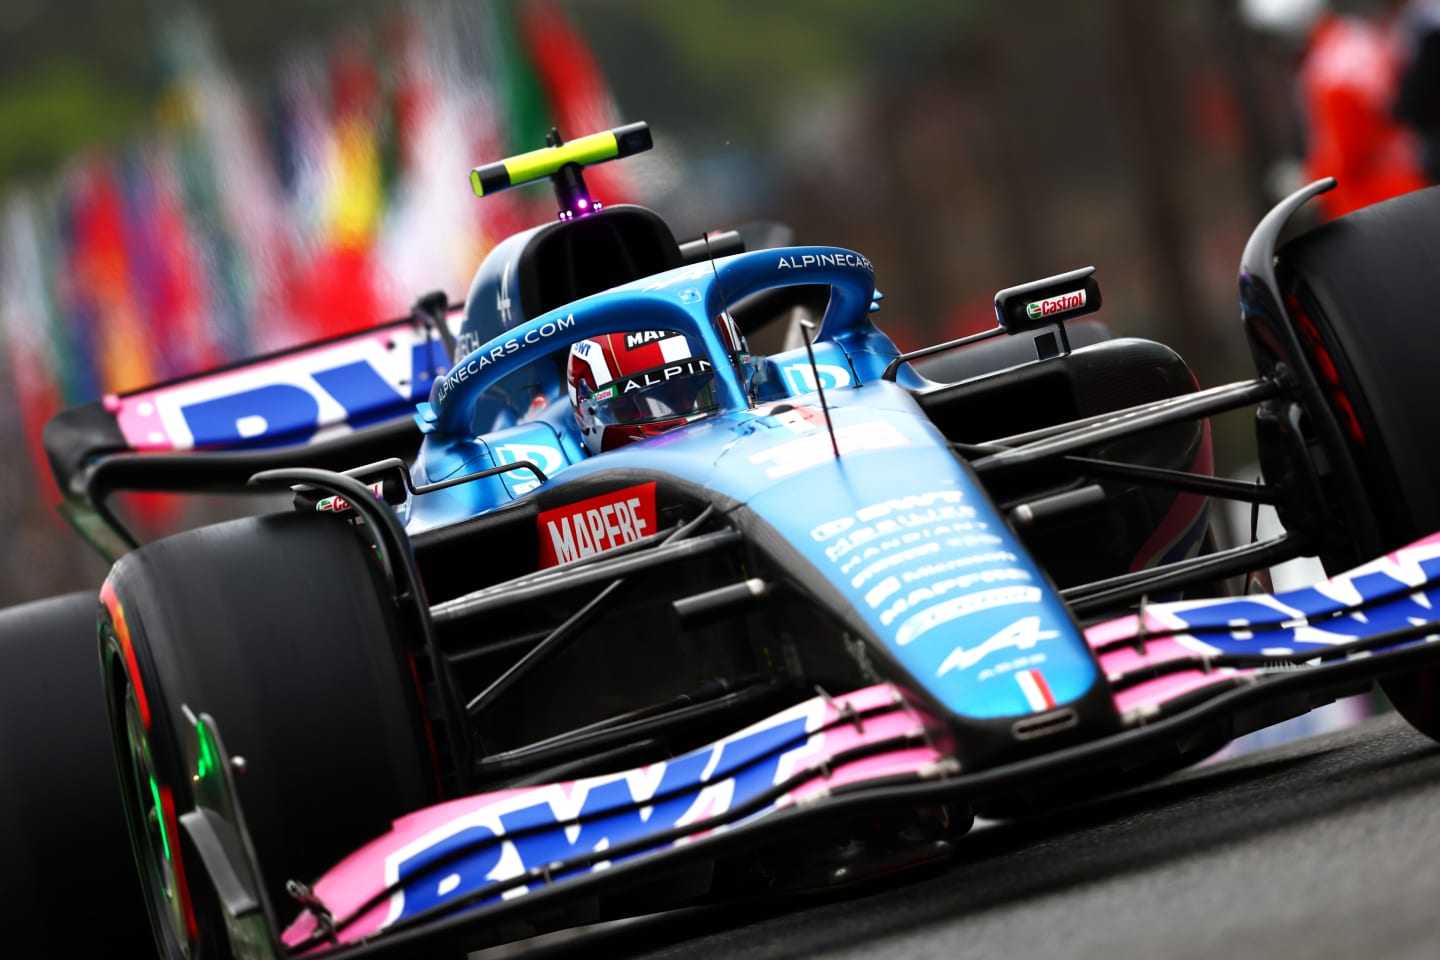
(448, 872)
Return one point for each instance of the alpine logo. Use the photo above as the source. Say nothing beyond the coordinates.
(1023, 634)
(1053, 305)
(583, 529)
(659, 375)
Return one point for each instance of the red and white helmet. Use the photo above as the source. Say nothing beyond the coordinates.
(629, 386)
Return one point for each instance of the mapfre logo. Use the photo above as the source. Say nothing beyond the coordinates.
(583, 529)
(641, 337)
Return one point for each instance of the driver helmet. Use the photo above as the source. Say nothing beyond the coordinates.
(637, 384)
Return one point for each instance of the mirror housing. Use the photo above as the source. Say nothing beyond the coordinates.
(1043, 303)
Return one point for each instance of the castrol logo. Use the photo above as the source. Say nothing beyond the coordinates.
(1054, 305)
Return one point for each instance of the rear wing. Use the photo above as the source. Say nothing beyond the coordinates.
(332, 404)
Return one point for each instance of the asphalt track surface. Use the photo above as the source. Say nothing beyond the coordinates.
(1327, 847)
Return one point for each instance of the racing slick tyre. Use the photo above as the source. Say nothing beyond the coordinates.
(1364, 293)
(66, 853)
(281, 629)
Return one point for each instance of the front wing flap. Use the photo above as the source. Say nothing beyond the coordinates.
(1166, 656)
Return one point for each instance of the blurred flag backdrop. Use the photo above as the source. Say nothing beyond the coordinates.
(322, 199)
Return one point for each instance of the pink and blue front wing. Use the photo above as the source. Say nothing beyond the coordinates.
(477, 850)
(1179, 644)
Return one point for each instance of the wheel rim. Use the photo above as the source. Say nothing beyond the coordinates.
(154, 827)
(156, 847)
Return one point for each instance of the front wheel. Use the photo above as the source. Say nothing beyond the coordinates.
(281, 629)
(1361, 294)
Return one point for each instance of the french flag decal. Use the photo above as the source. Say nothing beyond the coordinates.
(1036, 690)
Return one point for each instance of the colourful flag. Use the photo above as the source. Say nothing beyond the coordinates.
(166, 276)
(100, 275)
(337, 292)
(25, 318)
(434, 232)
(527, 114)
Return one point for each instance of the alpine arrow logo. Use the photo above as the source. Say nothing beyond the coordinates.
(1023, 634)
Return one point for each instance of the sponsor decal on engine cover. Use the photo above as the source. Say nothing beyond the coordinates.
(801, 378)
(545, 456)
(592, 526)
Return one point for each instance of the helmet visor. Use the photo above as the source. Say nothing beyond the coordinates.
(667, 392)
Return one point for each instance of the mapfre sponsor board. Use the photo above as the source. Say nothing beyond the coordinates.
(587, 527)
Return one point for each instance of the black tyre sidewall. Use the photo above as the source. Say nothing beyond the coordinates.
(280, 628)
(1370, 281)
(65, 843)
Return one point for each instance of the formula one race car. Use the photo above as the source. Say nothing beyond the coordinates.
(628, 616)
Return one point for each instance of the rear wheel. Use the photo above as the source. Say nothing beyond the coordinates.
(281, 629)
(66, 855)
(1361, 293)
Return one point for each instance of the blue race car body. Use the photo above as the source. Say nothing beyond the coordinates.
(894, 529)
(792, 644)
